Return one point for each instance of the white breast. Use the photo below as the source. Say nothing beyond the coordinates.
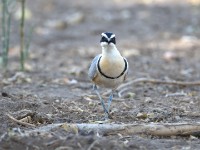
(111, 64)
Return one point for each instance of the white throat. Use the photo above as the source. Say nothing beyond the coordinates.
(110, 51)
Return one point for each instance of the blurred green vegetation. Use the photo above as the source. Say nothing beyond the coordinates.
(7, 7)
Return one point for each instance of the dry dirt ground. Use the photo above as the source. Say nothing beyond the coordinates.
(160, 41)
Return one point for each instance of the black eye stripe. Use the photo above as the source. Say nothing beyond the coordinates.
(103, 39)
(112, 40)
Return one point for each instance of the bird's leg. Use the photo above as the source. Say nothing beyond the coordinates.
(102, 101)
(110, 100)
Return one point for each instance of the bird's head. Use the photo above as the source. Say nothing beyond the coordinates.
(107, 39)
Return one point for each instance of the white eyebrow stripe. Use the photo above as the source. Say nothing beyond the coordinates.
(103, 34)
(112, 36)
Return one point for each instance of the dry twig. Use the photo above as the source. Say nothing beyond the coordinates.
(19, 121)
(166, 129)
(157, 81)
(154, 81)
(176, 94)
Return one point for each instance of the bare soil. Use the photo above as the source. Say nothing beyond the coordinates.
(159, 39)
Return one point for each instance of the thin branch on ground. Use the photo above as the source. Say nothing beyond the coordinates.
(120, 93)
(20, 122)
(176, 94)
(157, 81)
(154, 81)
(156, 129)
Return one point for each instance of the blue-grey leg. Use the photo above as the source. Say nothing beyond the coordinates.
(102, 101)
(110, 101)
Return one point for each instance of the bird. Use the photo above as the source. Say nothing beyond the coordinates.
(108, 69)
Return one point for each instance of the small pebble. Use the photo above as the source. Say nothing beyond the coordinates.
(57, 100)
(148, 100)
(169, 56)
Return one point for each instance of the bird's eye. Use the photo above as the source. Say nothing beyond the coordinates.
(103, 39)
(112, 40)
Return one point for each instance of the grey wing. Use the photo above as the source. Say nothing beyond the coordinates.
(93, 67)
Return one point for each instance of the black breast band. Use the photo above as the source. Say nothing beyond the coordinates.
(125, 68)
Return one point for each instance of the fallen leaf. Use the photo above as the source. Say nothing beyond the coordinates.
(70, 128)
(130, 95)
(141, 116)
